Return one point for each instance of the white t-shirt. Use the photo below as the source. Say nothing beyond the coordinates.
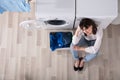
(98, 37)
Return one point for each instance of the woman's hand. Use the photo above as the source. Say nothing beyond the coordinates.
(78, 30)
(77, 48)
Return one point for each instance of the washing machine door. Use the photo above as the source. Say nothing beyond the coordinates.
(56, 24)
(30, 24)
(46, 24)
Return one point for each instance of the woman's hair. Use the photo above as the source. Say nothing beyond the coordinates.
(87, 22)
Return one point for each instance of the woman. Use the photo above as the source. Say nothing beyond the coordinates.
(87, 38)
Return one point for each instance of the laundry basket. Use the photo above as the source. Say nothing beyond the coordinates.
(60, 40)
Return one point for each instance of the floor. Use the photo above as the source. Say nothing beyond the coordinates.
(25, 54)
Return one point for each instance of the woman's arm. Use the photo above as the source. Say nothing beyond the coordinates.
(94, 49)
(76, 36)
(77, 31)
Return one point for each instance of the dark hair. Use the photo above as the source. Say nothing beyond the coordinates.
(87, 22)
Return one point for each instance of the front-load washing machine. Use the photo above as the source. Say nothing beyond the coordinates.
(55, 14)
(56, 23)
(48, 23)
(101, 11)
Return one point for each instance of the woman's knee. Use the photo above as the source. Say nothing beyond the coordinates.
(90, 56)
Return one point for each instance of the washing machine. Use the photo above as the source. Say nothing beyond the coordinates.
(54, 23)
(55, 14)
(101, 11)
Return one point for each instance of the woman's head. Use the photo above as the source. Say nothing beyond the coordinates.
(88, 26)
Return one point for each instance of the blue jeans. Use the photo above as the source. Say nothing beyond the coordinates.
(83, 42)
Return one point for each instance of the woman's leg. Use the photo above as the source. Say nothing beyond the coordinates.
(89, 56)
(82, 42)
(74, 52)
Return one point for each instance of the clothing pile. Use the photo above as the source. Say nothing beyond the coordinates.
(60, 40)
(14, 6)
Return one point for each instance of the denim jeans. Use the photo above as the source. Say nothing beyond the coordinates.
(83, 42)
